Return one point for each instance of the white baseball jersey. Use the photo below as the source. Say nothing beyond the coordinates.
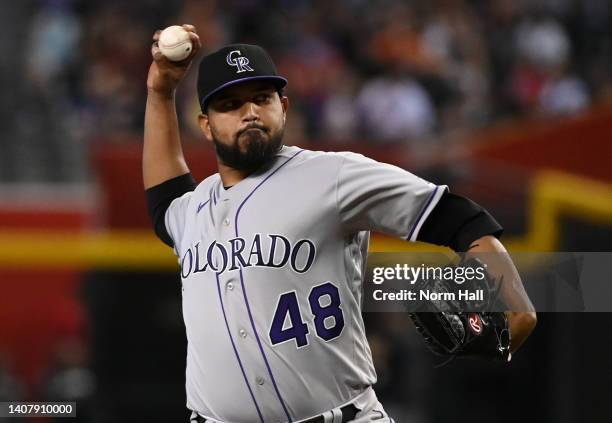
(272, 272)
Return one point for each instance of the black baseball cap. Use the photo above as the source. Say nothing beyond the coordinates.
(232, 65)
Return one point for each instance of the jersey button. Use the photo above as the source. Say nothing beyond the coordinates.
(243, 333)
(260, 380)
(226, 221)
(230, 286)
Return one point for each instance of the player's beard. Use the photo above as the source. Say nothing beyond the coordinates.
(258, 152)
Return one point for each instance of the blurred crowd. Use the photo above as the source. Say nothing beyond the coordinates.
(372, 71)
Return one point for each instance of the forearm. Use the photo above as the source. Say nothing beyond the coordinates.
(521, 322)
(162, 154)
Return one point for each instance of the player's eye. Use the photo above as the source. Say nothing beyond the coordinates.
(230, 104)
(262, 98)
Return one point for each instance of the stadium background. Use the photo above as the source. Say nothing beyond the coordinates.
(508, 102)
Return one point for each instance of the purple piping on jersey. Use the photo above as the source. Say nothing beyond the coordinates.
(214, 197)
(201, 206)
(236, 352)
(257, 187)
(416, 223)
(246, 300)
(211, 198)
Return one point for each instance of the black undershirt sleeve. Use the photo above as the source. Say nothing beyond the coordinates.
(159, 198)
(456, 222)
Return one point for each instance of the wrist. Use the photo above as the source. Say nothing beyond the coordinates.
(165, 95)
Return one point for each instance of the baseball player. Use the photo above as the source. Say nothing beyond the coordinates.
(272, 247)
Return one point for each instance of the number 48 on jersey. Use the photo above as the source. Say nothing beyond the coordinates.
(328, 319)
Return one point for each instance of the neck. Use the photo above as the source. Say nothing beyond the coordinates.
(231, 176)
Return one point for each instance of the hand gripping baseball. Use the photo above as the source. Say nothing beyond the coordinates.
(165, 75)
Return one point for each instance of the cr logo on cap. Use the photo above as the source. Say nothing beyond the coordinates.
(242, 63)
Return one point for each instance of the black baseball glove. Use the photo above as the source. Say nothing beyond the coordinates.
(451, 330)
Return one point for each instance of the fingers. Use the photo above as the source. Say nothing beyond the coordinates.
(194, 37)
(195, 42)
(156, 52)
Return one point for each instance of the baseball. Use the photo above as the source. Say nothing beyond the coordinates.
(174, 43)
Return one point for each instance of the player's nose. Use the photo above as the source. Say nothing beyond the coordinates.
(250, 112)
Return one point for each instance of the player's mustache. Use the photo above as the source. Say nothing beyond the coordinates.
(251, 126)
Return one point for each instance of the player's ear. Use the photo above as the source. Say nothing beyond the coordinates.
(205, 126)
(285, 103)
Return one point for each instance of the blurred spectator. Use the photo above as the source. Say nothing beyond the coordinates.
(395, 109)
(44, 132)
(340, 120)
(53, 44)
(313, 67)
(543, 42)
(543, 81)
(563, 95)
(452, 34)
